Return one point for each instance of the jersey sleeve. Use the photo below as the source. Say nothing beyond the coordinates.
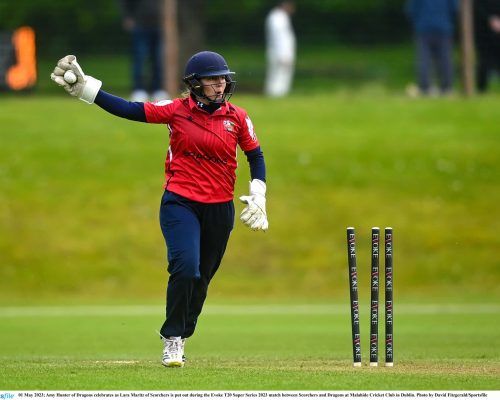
(120, 107)
(257, 164)
(160, 112)
(247, 139)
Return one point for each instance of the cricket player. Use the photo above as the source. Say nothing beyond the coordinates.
(280, 49)
(197, 210)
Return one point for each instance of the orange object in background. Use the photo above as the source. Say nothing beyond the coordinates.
(22, 75)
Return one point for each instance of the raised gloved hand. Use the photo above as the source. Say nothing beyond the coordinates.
(254, 214)
(85, 87)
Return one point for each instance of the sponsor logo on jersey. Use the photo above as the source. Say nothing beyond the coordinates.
(204, 157)
(250, 128)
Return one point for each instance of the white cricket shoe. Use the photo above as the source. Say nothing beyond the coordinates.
(173, 352)
(139, 95)
(183, 343)
(159, 95)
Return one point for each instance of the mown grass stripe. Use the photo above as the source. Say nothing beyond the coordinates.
(318, 309)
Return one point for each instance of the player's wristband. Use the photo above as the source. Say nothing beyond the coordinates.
(90, 89)
(257, 187)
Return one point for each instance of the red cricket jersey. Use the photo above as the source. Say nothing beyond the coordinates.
(201, 159)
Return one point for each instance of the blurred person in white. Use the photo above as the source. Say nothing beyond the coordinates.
(280, 49)
(143, 20)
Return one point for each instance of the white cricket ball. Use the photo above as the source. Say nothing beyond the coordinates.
(70, 77)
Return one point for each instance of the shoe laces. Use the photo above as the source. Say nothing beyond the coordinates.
(172, 345)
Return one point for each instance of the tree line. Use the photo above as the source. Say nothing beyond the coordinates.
(95, 25)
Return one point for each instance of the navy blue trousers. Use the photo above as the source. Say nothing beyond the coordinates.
(196, 235)
(434, 50)
(147, 46)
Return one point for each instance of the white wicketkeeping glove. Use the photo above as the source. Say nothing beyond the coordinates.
(254, 214)
(85, 87)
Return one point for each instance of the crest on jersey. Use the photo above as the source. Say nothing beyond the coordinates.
(228, 125)
(250, 129)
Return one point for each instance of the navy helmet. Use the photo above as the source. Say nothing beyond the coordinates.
(205, 64)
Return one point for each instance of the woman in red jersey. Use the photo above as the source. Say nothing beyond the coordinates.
(197, 210)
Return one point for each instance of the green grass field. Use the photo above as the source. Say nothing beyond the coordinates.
(80, 191)
(79, 195)
(242, 347)
(319, 68)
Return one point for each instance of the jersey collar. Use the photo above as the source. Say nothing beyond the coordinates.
(224, 108)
